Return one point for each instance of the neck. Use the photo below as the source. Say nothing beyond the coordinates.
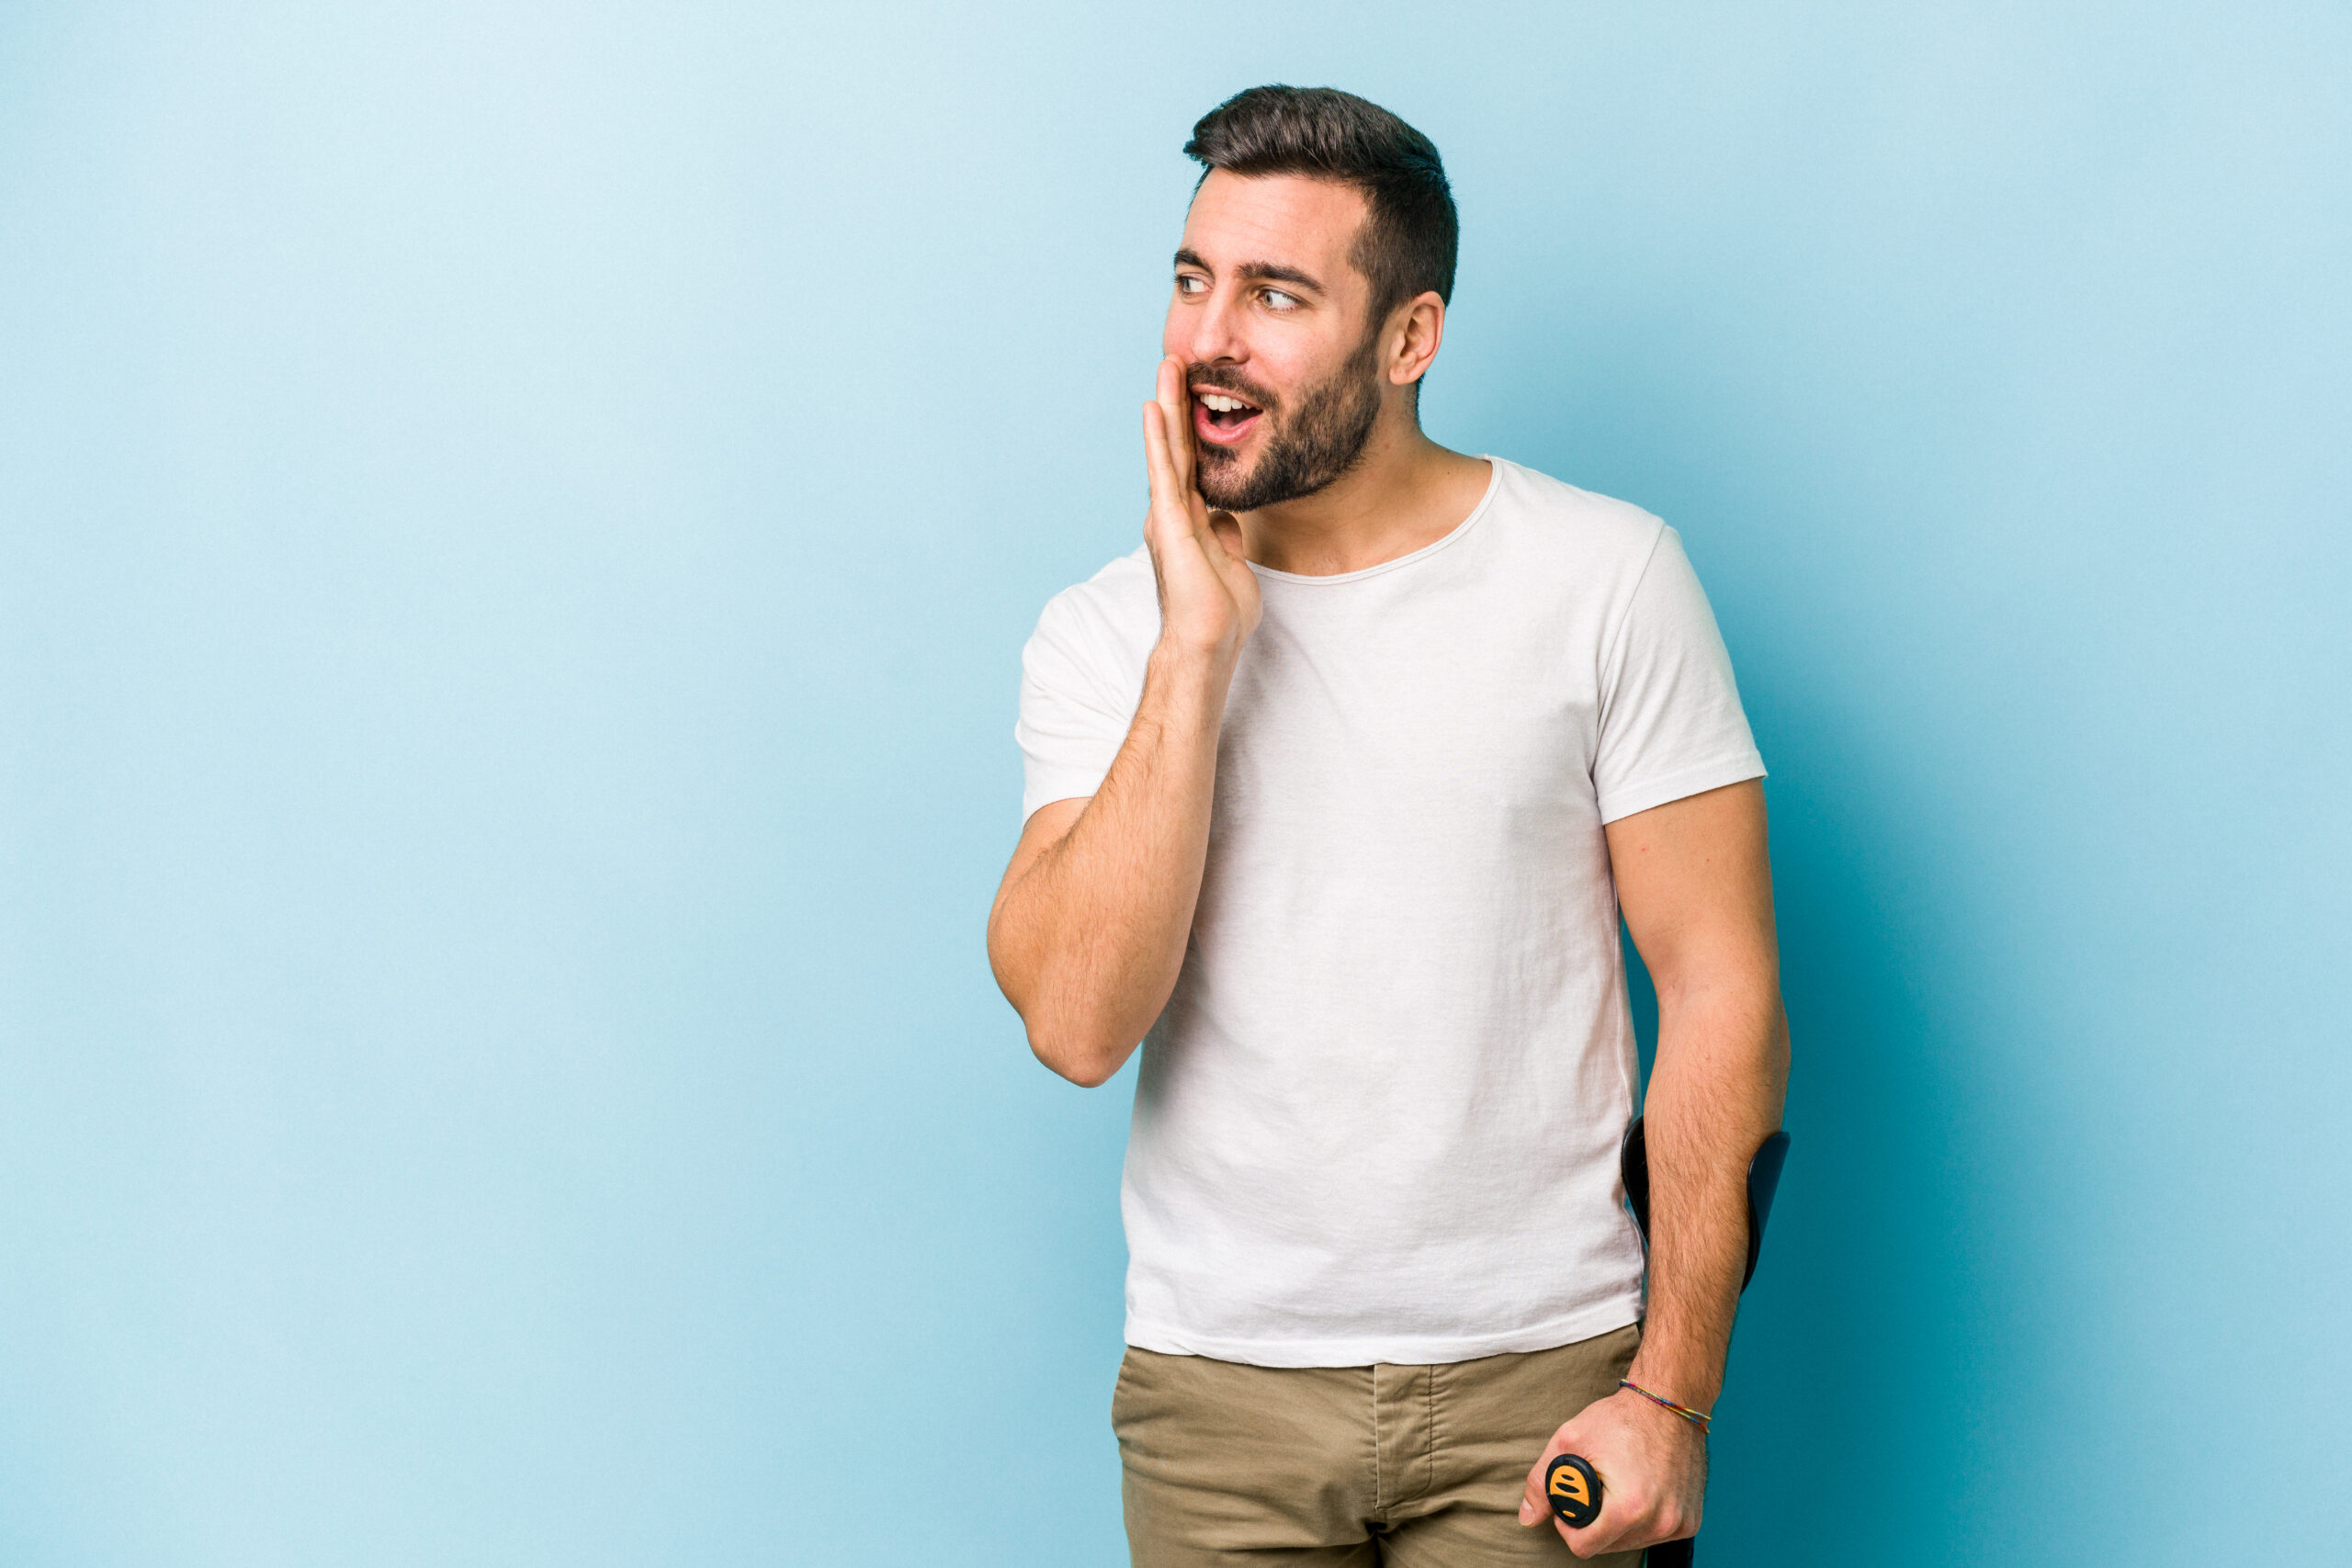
(1405, 494)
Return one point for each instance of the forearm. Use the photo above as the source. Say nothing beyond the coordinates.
(1088, 939)
(1695, 886)
(1715, 1095)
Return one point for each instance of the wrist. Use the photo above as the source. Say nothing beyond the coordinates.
(1173, 659)
(1666, 1408)
(1676, 1372)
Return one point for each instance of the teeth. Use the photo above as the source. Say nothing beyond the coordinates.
(1222, 405)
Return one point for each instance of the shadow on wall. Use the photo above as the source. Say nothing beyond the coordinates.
(1891, 1315)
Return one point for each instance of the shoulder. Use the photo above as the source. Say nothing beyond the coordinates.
(1604, 536)
(1120, 602)
(1104, 625)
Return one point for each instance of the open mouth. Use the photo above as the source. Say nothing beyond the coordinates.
(1223, 417)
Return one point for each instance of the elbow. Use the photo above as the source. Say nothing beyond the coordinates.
(1067, 1027)
(1065, 1033)
(1087, 1059)
(1079, 1039)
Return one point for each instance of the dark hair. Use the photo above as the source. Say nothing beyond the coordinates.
(1408, 244)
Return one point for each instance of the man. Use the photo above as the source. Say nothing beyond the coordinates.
(1334, 791)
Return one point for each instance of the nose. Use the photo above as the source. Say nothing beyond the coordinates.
(1206, 331)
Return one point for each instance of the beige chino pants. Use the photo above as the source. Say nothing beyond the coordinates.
(1316, 1467)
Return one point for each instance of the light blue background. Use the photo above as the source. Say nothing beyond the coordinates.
(519, 525)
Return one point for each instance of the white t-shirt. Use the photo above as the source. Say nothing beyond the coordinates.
(1378, 1120)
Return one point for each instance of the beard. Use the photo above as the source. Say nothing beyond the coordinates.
(1303, 453)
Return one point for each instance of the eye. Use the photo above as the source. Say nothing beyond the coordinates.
(1280, 300)
(1191, 283)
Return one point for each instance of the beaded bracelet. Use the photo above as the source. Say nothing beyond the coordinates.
(1698, 1418)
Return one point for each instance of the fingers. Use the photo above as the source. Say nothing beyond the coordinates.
(1158, 463)
(1176, 408)
(1630, 1518)
(1597, 1536)
(1208, 596)
(1531, 1508)
(1535, 1503)
(1631, 1513)
(1176, 512)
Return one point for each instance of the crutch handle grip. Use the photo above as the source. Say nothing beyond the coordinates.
(1572, 1488)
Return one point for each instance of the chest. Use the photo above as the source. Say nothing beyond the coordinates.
(1442, 706)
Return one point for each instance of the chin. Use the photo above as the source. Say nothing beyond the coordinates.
(1222, 481)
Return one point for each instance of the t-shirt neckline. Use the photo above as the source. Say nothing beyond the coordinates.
(1486, 503)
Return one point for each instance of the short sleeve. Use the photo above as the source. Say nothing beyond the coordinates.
(1074, 710)
(1670, 721)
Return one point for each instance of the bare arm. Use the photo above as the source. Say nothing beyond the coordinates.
(1694, 881)
(1089, 927)
(1091, 921)
(1696, 889)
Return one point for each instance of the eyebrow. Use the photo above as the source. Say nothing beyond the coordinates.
(1256, 272)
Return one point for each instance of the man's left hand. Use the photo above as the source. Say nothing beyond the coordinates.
(1653, 1469)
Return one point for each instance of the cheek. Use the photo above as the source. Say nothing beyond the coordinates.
(1290, 369)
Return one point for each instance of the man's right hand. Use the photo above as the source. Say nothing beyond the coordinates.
(1090, 923)
(1208, 596)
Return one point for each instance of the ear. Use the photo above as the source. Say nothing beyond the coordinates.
(1415, 328)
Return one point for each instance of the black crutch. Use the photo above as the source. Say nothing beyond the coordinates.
(1571, 1483)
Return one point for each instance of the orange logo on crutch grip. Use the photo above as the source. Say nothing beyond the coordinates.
(1575, 1491)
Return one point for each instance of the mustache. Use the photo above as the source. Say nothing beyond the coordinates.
(1208, 377)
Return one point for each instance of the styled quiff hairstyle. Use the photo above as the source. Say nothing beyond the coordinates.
(1408, 244)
